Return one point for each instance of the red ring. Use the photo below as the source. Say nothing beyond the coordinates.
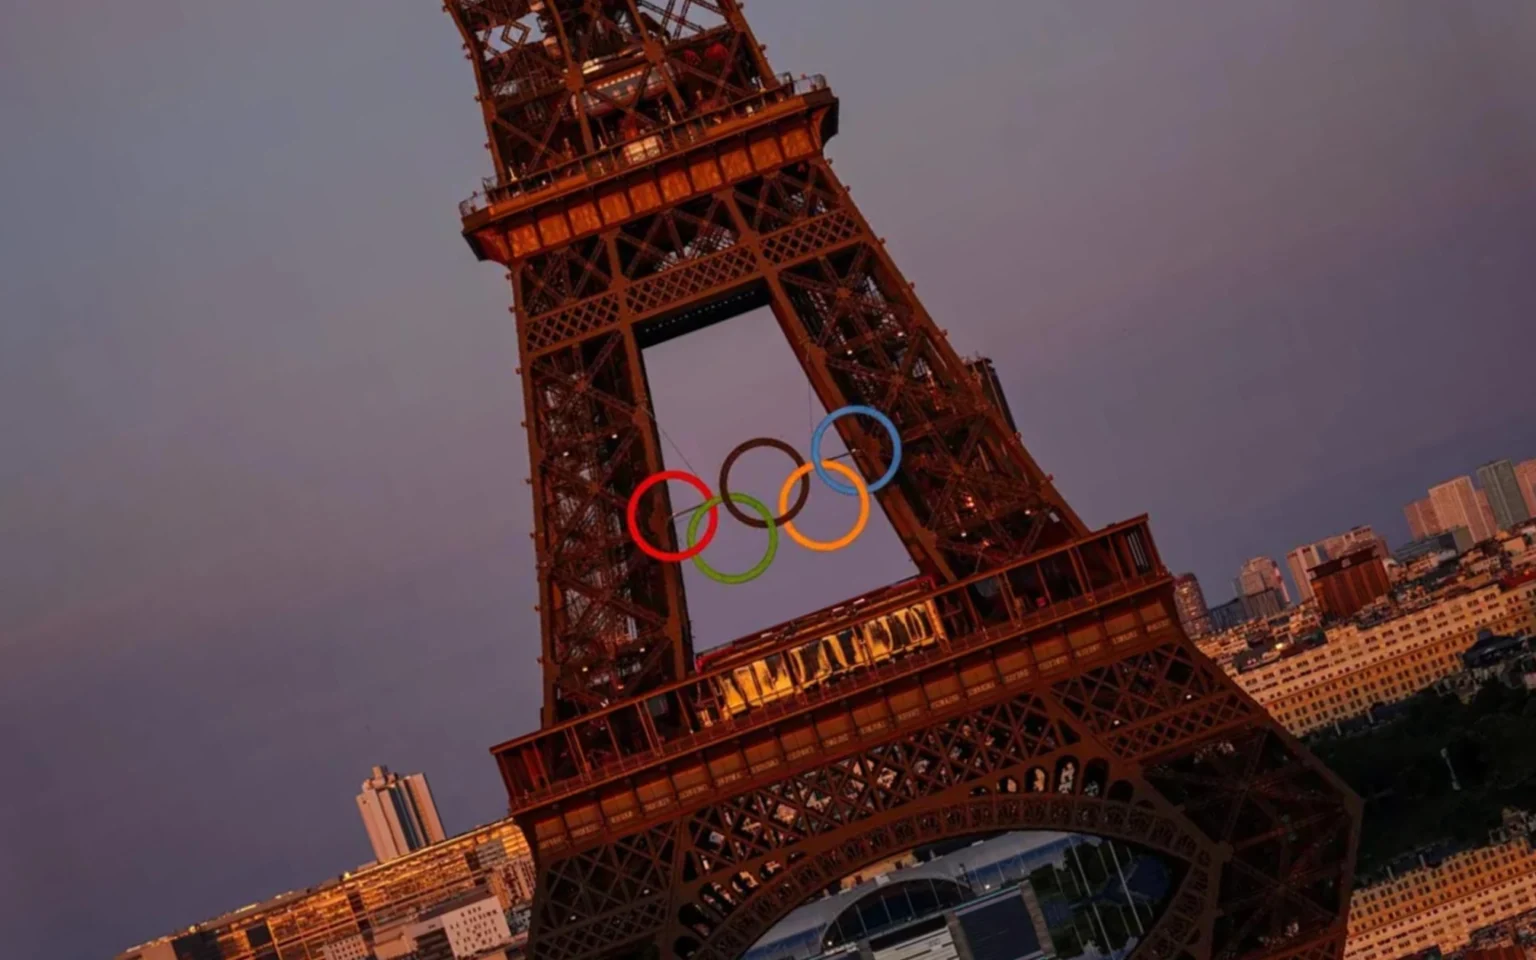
(633, 516)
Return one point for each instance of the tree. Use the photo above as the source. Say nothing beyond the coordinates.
(1400, 772)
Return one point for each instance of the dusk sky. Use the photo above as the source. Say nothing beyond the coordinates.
(1264, 271)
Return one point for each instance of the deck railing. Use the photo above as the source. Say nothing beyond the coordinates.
(643, 149)
(1042, 589)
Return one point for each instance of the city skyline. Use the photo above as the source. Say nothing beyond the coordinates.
(1305, 556)
(296, 442)
(1507, 500)
(1443, 627)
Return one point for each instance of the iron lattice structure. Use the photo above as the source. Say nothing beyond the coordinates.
(653, 176)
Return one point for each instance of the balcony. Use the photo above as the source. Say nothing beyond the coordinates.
(644, 150)
(767, 679)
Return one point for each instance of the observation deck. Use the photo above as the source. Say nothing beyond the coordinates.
(762, 705)
(794, 117)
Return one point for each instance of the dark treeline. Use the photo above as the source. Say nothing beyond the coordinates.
(1400, 771)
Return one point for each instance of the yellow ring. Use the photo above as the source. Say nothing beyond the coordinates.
(824, 546)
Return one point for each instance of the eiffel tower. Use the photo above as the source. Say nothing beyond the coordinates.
(653, 176)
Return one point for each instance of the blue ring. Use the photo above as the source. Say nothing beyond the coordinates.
(821, 430)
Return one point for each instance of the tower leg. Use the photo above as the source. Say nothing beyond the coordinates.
(1158, 749)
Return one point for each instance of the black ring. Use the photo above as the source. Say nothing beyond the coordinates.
(725, 492)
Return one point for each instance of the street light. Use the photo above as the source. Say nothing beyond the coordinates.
(1445, 752)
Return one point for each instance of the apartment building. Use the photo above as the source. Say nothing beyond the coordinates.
(1226, 646)
(1441, 906)
(1456, 504)
(1389, 660)
(1348, 584)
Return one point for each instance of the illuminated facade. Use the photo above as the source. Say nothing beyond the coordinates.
(1441, 906)
(373, 908)
(1301, 561)
(756, 680)
(1387, 661)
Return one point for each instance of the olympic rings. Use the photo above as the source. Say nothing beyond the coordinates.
(632, 516)
(821, 430)
(773, 538)
(801, 475)
(824, 546)
(784, 516)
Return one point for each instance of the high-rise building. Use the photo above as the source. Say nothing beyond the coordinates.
(1300, 561)
(1456, 505)
(1305, 558)
(1502, 488)
(1422, 522)
(398, 813)
(1265, 603)
(1260, 574)
(1525, 475)
(1456, 542)
(1352, 582)
(1486, 509)
(1229, 615)
(1190, 601)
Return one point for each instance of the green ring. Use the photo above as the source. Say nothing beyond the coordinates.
(762, 565)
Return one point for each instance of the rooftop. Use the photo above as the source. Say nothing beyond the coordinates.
(361, 875)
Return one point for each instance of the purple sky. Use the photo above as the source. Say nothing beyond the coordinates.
(1262, 270)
